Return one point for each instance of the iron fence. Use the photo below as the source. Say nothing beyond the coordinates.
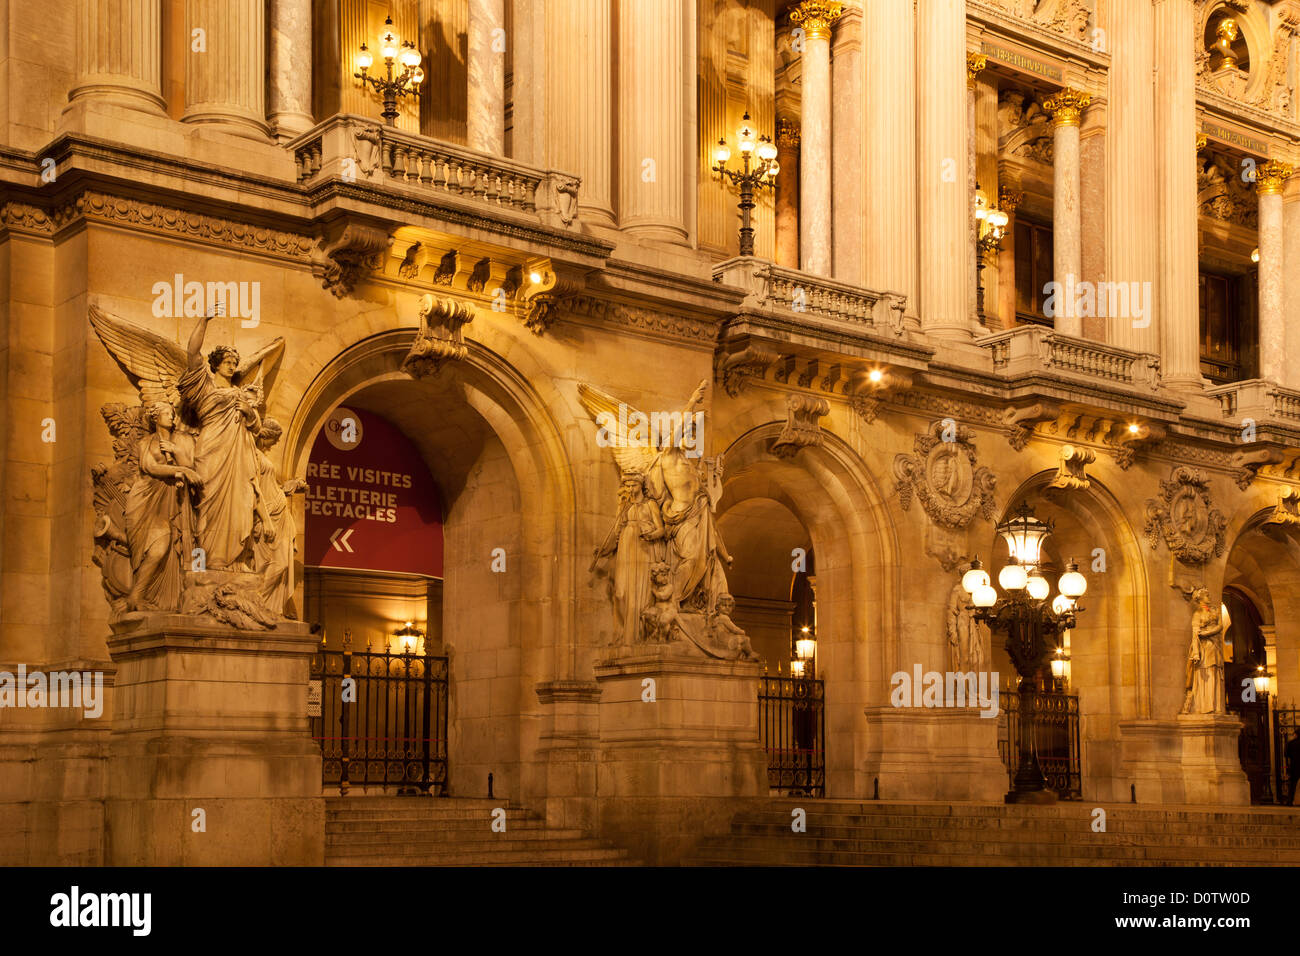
(792, 730)
(1056, 741)
(383, 720)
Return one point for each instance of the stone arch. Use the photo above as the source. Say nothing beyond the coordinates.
(503, 467)
(1111, 666)
(833, 496)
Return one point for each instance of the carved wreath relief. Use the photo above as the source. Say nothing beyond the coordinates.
(1183, 516)
(944, 475)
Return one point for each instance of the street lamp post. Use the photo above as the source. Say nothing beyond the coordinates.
(747, 179)
(392, 85)
(1033, 629)
(991, 223)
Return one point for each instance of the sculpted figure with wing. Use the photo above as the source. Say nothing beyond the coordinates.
(192, 493)
(665, 521)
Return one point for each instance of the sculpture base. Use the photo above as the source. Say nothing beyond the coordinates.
(210, 758)
(936, 753)
(1191, 759)
(677, 735)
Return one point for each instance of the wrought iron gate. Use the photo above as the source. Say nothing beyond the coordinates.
(792, 730)
(1057, 743)
(1286, 723)
(388, 728)
(1253, 749)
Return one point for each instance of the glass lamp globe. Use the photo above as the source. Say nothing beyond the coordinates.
(365, 58)
(766, 149)
(389, 40)
(1024, 534)
(975, 578)
(746, 135)
(1072, 583)
(997, 219)
(773, 168)
(722, 152)
(410, 57)
(1038, 587)
(1061, 604)
(985, 596)
(805, 648)
(418, 76)
(1013, 577)
(1058, 665)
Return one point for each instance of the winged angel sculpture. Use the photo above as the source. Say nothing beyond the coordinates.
(191, 517)
(663, 558)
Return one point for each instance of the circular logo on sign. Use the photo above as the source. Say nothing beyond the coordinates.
(343, 429)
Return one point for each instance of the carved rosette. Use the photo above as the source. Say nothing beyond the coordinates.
(944, 476)
(439, 338)
(802, 429)
(1184, 517)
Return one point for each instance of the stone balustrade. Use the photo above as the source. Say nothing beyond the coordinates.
(355, 149)
(1258, 400)
(1032, 349)
(773, 287)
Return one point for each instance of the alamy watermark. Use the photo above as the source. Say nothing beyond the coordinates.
(947, 689)
(84, 689)
(75, 908)
(181, 299)
(636, 429)
(1118, 300)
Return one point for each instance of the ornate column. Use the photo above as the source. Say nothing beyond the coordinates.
(849, 153)
(942, 175)
(1066, 108)
(1180, 329)
(1092, 205)
(652, 200)
(119, 53)
(816, 17)
(975, 63)
(1132, 254)
(578, 70)
(485, 111)
(1291, 290)
(225, 65)
(1270, 178)
(889, 34)
(291, 68)
(787, 193)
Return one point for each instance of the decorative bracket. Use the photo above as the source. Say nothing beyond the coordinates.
(1020, 421)
(735, 370)
(440, 336)
(1248, 464)
(1126, 439)
(1070, 472)
(1287, 510)
(540, 305)
(801, 427)
(356, 250)
(869, 390)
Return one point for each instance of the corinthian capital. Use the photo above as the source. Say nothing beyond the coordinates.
(975, 64)
(1270, 177)
(817, 17)
(1067, 106)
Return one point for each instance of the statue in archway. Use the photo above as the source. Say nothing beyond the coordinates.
(274, 530)
(189, 485)
(965, 635)
(1204, 687)
(661, 453)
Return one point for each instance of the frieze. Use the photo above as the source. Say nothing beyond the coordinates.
(641, 319)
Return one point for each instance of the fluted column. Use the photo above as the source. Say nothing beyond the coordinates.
(651, 200)
(942, 174)
(291, 68)
(1291, 290)
(975, 64)
(787, 193)
(816, 18)
(225, 68)
(1270, 178)
(889, 34)
(119, 53)
(1131, 204)
(1176, 183)
(1066, 108)
(848, 149)
(578, 71)
(485, 111)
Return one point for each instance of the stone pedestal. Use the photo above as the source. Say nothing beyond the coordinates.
(672, 764)
(213, 718)
(1212, 771)
(942, 753)
(562, 782)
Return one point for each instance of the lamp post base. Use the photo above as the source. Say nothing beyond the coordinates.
(1032, 797)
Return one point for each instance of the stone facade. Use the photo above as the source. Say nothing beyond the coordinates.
(593, 248)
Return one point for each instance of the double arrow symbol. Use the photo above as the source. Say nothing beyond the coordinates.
(341, 544)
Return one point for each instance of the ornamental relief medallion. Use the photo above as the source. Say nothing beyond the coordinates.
(1184, 517)
(944, 476)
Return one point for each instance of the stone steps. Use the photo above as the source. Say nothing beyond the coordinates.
(414, 831)
(849, 833)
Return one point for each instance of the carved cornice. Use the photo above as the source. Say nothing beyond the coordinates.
(639, 319)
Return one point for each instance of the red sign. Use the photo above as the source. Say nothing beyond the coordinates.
(371, 502)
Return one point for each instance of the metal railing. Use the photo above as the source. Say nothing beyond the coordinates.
(1056, 740)
(792, 731)
(383, 720)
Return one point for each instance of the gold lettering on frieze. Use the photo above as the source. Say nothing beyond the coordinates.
(1022, 62)
(1225, 135)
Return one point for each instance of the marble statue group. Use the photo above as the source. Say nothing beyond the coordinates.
(664, 560)
(192, 517)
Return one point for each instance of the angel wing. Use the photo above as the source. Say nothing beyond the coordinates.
(151, 362)
(260, 367)
(604, 411)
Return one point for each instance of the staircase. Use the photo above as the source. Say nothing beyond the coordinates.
(845, 833)
(431, 831)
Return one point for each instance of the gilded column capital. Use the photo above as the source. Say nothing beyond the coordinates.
(787, 133)
(975, 64)
(1067, 106)
(1201, 141)
(817, 17)
(1009, 199)
(1270, 177)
